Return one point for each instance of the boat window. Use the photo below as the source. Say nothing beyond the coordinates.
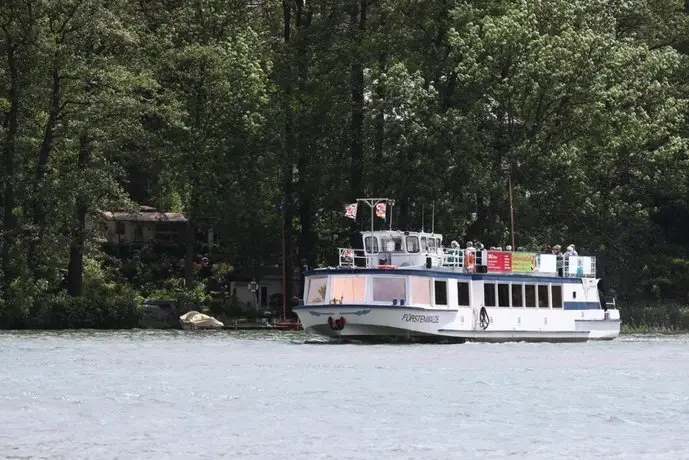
(392, 289)
(438, 243)
(543, 301)
(347, 289)
(315, 293)
(489, 294)
(440, 292)
(424, 247)
(463, 293)
(371, 240)
(503, 295)
(412, 244)
(421, 290)
(557, 296)
(530, 291)
(431, 244)
(390, 244)
(517, 297)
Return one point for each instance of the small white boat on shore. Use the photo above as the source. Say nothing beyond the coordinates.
(194, 320)
(406, 286)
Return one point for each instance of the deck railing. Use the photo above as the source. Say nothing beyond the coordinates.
(349, 257)
(452, 258)
(563, 266)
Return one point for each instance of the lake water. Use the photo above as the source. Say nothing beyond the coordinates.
(158, 394)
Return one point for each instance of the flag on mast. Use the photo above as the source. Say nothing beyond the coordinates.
(381, 210)
(350, 210)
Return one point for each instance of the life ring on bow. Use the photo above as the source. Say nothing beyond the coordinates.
(336, 324)
(483, 319)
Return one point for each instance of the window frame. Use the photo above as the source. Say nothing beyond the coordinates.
(468, 293)
(494, 291)
(521, 290)
(435, 293)
(388, 277)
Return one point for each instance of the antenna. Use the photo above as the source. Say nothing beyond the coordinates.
(421, 218)
(392, 205)
(433, 219)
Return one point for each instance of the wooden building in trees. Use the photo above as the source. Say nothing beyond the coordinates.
(148, 226)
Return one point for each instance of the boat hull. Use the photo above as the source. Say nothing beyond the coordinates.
(408, 324)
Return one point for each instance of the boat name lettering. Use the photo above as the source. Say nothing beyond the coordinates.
(420, 318)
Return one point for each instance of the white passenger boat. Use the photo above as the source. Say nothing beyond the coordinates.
(406, 286)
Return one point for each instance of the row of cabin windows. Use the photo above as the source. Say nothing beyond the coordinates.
(411, 244)
(352, 289)
(440, 289)
(521, 295)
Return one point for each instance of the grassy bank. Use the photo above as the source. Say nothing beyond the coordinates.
(654, 318)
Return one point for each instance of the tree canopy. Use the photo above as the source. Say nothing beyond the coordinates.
(226, 109)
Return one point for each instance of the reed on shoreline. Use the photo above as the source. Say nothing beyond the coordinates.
(649, 317)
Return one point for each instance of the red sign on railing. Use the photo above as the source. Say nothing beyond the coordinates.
(499, 261)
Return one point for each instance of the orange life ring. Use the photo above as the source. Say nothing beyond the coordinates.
(386, 267)
(469, 259)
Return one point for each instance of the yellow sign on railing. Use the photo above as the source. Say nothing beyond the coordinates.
(524, 262)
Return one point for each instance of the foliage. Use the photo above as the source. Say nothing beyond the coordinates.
(208, 107)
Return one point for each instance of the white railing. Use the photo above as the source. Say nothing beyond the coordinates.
(452, 258)
(564, 266)
(576, 266)
(349, 257)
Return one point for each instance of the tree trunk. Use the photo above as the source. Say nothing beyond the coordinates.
(39, 209)
(75, 271)
(379, 141)
(190, 236)
(357, 27)
(9, 226)
(289, 155)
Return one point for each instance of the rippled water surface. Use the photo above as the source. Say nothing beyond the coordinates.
(103, 395)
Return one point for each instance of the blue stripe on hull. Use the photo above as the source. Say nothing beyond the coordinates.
(349, 307)
(582, 306)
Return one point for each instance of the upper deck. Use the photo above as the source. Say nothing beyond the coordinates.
(392, 249)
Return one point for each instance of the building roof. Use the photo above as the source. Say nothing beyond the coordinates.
(145, 215)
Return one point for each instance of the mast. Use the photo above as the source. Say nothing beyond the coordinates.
(433, 219)
(506, 167)
(392, 204)
(372, 202)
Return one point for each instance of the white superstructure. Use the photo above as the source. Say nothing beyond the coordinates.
(407, 286)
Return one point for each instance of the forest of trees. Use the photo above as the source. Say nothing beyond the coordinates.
(225, 109)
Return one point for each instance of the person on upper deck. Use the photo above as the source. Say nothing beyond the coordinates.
(455, 251)
(556, 250)
(571, 251)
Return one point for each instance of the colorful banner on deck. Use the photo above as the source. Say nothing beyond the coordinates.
(350, 210)
(521, 262)
(524, 262)
(499, 261)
